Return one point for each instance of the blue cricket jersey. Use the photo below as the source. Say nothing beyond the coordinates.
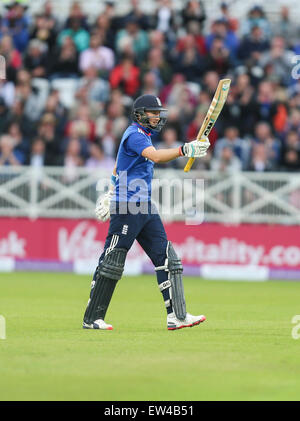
(134, 172)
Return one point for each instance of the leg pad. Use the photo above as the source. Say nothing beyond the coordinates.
(177, 291)
(173, 283)
(108, 273)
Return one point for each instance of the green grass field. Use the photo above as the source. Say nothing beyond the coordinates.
(244, 351)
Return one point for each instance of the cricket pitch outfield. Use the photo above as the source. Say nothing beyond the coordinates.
(244, 351)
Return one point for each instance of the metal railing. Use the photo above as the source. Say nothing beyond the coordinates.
(251, 197)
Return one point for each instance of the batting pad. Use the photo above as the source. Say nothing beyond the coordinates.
(107, 275)
(175, 276)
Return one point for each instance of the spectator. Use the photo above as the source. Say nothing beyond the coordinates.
(13, 57)
(137, 14)
(132, 40)
(8, 154)
(171, 93)
(72, 161)
(240, 110)
(110, 127)
(189, 61)
(21, 148)
(3, 115)
(290, 156)
(17, 113)
(64, 62)
(265, 107)
(117, 97)
(76, 12)
(193, 12)
(170, 140)
(220, 30)
(256, 17)
(280, 117)
(210, 82)
(15, 24)
(77, 132)
(183, 98)
(31, 95)
(44, 30)
(55, 107)
(286, 27)
(93, 89)
(227, 162)
(240, 147)
(255, 42)
(157, 40)
(218, 58)
(35, 59)
(47, 132)
(37, 154)
(79, 35)
(97, 55)
(157, 65)
(126, 76)
(293, 121)
(233, 23)
(194, 30)
(107, 26)
(98, 160)
(175, 123)
(263, 135)
(7, 92)
(150, 84)
(51, 20)
(165, 18)
(84, 122)
(259, 159)
(278, 61)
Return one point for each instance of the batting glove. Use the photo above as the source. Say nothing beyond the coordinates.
(195, 148)
(102, 209)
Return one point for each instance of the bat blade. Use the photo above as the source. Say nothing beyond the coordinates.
(212, 114)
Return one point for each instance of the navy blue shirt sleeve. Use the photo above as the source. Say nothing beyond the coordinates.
(137, 142)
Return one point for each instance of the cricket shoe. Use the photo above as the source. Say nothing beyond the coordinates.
(173, 323)
(98, 324)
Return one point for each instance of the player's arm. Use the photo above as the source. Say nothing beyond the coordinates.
(194, 149)
(160, 155)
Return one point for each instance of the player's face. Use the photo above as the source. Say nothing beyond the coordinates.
(153, 117)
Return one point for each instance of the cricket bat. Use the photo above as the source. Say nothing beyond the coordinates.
(212, 114)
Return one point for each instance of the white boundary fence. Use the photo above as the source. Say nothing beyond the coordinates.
(242, 197)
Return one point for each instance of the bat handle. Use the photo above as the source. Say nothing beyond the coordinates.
(191, 160)
(189, 165)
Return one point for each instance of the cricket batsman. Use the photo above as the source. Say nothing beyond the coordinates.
(134, 217)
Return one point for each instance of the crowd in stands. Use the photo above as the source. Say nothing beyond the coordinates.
(102, 63)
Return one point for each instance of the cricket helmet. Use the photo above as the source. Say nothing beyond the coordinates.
(149, 103)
